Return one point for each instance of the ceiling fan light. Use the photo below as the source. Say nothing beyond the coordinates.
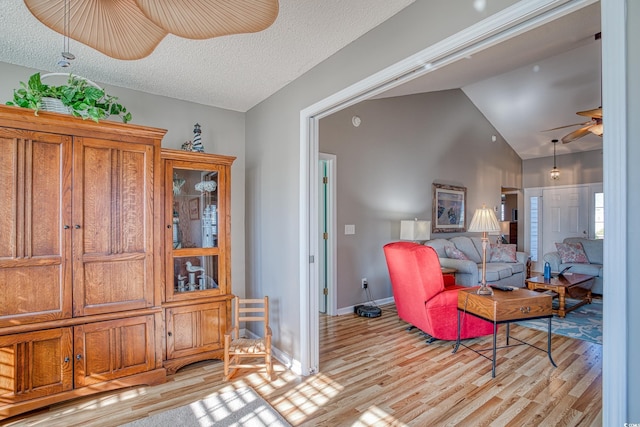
(555, 172)
(597, 129)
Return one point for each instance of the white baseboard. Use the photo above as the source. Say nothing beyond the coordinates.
(282, 357)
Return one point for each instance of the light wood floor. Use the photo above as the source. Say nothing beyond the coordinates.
(375, 373)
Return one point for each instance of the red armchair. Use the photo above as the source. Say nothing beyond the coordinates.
(424, 298)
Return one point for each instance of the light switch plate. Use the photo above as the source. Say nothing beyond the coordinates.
(349, 229)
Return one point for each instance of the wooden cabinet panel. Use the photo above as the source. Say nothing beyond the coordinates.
(113, 349)
(35, 364)
(194, 329)
(79, 243)
(35, 246)
(113, 220)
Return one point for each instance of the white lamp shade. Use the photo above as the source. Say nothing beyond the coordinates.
(484, 220)
(415, 230)
(504, 227)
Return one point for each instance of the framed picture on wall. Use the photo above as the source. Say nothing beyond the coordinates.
(449, 204)
(194, 208)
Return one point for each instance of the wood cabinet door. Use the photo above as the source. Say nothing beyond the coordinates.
(35, 364)
(194, 329)
(113, 226)
(113, 349)
(35, 234)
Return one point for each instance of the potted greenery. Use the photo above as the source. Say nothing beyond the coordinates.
(80, 97)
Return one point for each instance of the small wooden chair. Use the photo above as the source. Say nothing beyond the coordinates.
(237, 348)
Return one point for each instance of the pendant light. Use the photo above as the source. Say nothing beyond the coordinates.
(66, 55)
(555, 172)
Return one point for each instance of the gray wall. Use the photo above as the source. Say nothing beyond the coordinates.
(222, 133)
(576, 168)
(386, 167)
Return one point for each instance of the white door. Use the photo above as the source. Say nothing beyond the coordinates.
(565, 213)
(327, 299)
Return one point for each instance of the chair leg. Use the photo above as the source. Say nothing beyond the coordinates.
(269, 364)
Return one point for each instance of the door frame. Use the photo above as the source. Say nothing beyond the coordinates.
(517, 18)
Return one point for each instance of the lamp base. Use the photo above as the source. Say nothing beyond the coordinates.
(485, 290)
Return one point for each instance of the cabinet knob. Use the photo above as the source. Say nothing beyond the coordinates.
(66, 359)
(66, 227)
(79, 357)
(169, 333)
(77, 226)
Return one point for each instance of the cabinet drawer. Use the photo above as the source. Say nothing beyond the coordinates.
(506, 306)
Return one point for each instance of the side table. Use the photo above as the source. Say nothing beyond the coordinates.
(447, 271)
(505, 307)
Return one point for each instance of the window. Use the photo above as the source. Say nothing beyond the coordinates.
(599, 215)
(533, 229)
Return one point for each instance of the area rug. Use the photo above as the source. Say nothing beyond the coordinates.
(584, 323)
(242, 407)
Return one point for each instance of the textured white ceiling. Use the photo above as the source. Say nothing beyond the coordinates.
(233, 72)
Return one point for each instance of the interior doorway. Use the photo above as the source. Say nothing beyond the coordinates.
(497, 28)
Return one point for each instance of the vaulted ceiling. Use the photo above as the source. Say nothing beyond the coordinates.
(533, 82)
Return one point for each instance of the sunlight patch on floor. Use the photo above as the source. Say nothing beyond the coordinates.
(374, 416)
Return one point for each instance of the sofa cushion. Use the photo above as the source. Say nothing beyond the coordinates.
(503, 253)
(465, 244)
(439, 245)
(496, 271)
(590, 269)
(455, 253)
(592, 247)
(572, 253)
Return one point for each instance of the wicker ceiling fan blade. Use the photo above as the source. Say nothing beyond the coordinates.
(116, 28)
(204, 19)
(568, 126)
(595, 113)
(576, 134)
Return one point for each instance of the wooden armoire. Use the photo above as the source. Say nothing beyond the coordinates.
(82, 260)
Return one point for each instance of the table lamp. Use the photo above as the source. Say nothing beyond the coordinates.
(415, 230)
(484, 221)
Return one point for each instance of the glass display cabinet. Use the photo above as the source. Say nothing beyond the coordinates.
(197, 264)
(197, 223)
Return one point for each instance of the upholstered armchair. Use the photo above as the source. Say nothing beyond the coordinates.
(424, 297)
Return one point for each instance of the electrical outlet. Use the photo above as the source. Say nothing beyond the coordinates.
(364, 283)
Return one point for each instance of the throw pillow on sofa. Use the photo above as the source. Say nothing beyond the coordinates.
(455, 253)
(572, 253)
(503, 253)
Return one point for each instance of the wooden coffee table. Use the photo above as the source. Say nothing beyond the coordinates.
(574, 285)
(504, 307)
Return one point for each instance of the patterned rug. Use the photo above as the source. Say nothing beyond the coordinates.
(584, 323)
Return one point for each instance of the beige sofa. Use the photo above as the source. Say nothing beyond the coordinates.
(469, 272)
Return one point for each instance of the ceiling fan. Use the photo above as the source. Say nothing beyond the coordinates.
(594, 126)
